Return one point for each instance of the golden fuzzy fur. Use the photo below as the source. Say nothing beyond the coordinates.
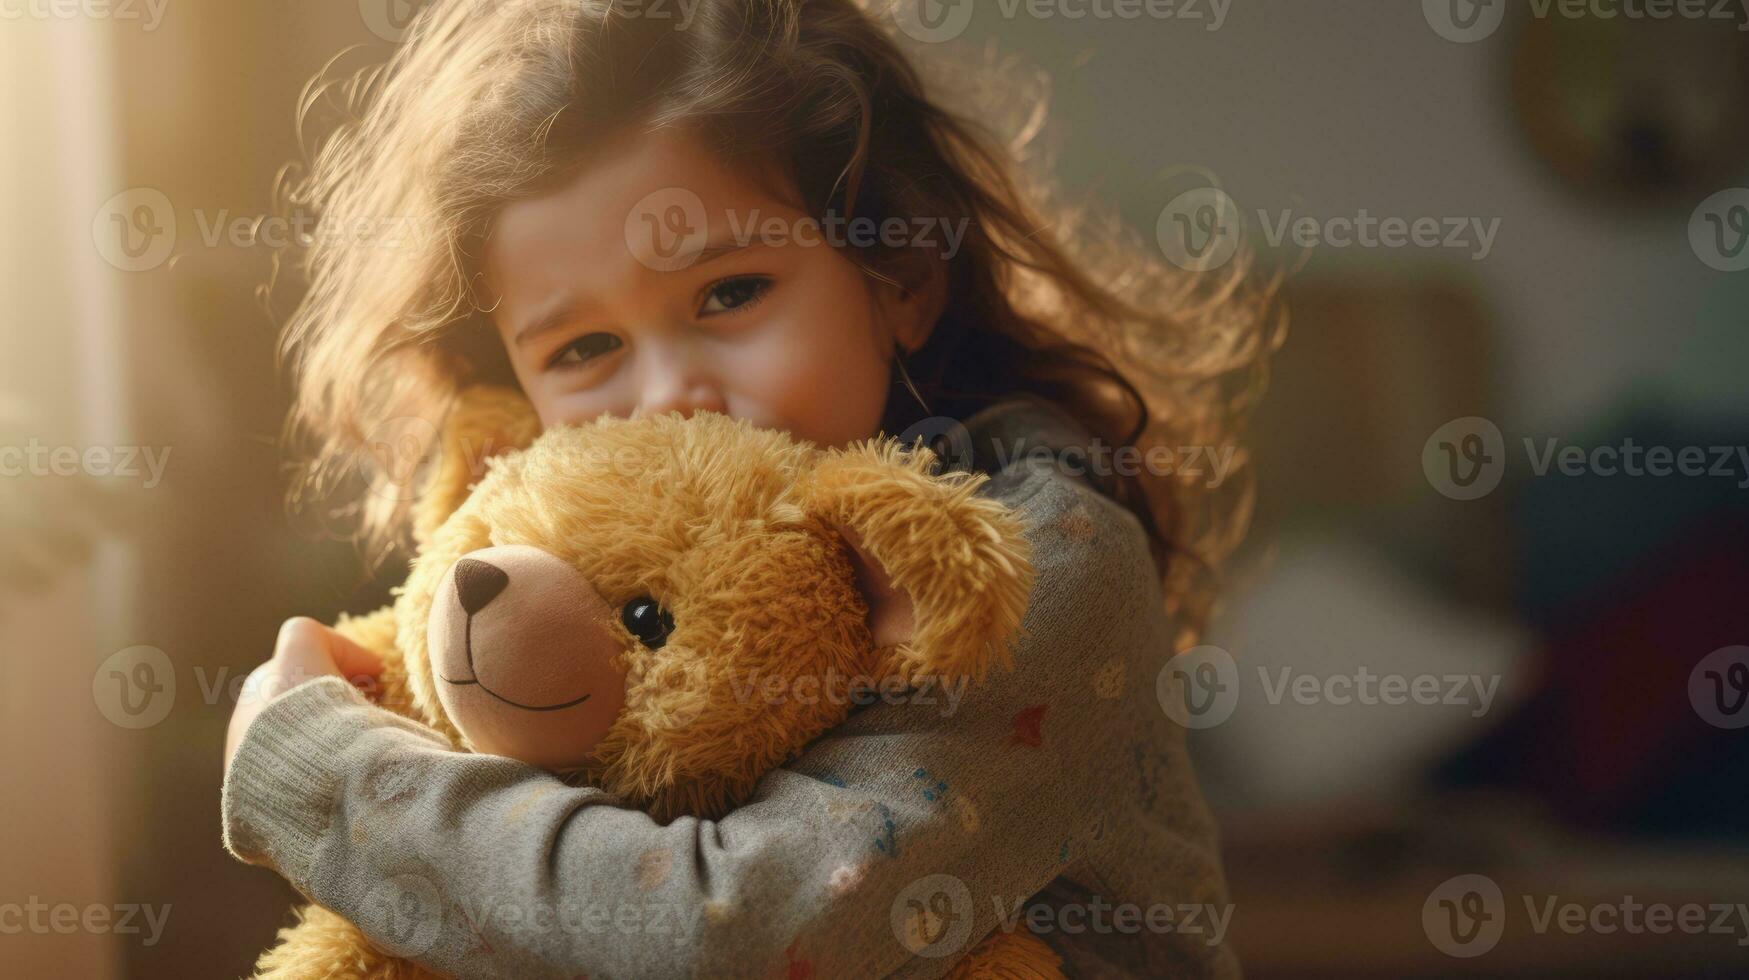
(740, 533)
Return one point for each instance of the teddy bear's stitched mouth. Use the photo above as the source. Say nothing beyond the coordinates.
(468, 647)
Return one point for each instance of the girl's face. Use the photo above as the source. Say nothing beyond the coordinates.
(657, 280)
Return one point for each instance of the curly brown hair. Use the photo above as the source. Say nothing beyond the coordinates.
(488, 103)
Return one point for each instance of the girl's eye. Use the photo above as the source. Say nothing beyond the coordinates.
(736, 293)
(585, 349)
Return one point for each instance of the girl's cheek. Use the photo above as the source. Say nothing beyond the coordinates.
(563, 398)
(817, 376)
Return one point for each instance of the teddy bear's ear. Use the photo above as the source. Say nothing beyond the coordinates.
(945, 570)
(484, 422)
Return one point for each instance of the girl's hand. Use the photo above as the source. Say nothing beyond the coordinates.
(304, 651)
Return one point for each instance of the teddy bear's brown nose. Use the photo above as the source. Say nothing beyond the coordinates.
(529, 655)
(478, 583)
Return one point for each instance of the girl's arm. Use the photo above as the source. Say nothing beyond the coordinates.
(894, 844)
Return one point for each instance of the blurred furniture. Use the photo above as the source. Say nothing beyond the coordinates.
(1632, 110)
(1372, 366)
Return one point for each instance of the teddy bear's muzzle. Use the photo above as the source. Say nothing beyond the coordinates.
(526, 662)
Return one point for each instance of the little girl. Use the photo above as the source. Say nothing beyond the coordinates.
(623, 215)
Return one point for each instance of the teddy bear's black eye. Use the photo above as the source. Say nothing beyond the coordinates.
(647, 621)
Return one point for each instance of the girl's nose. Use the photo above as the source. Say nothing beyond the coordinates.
(682, 386)
(703, 398)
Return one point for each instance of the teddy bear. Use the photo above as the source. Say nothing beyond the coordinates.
(595, 604)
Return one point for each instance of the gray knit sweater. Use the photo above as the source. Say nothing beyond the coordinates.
(1055, 798)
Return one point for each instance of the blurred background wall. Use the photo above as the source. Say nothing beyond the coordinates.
(133, 144)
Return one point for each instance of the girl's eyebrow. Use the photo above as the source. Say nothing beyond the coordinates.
(715, 250)
(567, 306)
(546, 323)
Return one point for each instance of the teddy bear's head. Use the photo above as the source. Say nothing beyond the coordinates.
(670, 607)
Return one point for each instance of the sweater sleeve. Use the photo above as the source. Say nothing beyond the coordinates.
(893, 844)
